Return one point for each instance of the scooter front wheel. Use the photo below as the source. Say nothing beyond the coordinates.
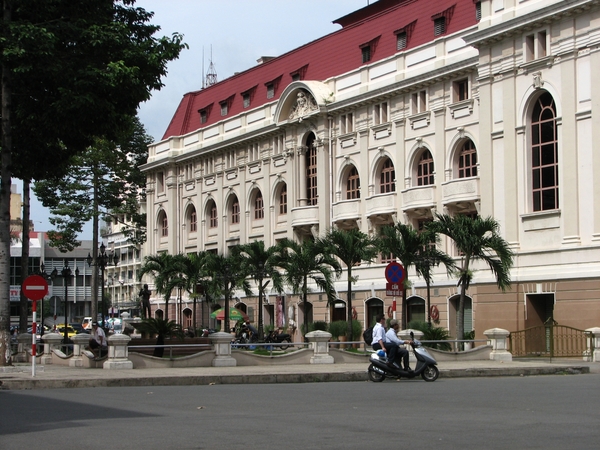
(375, 375)
(431, 373)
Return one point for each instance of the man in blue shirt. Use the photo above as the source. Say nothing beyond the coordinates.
(392, 337)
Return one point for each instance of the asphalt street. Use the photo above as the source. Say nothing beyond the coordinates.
(549, 412)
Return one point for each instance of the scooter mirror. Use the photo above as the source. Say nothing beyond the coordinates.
(412, 335)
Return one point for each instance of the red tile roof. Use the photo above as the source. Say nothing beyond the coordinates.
(331, 55)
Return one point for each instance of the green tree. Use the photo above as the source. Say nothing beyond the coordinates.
(475, 239)
(304, 262)
(166, 269)
(258, 262)
(72, 70)
(352, 247)
(413, 248)
(162, 328)
(195, 277)
(227, 276)
(104, 180)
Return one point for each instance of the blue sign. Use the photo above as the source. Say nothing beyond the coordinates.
(395, 273)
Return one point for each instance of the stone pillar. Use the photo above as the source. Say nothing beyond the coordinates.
(118, 353)
(593, 351)
(79, 343)
(221, 343)
(405, 336)
(498, 339)
(320, 344)
(52, 341)
(23, 348)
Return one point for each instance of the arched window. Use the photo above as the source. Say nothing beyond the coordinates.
(213, 220)
(283, 200)
(259, 206)
(544, 154)
(163, 223)
(311, 171)
(425, 169)
(387, 178)
(353, 184)
(467, 160)
(193, 220)
(234, 211)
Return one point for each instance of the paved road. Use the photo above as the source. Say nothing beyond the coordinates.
(549, 412)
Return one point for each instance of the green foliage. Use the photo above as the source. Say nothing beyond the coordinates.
(431, 333)
(316, 325)
(357, 330)
(162, 328)
(469, 335)
(338, 328)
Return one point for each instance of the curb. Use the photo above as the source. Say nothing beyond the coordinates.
(203, 380)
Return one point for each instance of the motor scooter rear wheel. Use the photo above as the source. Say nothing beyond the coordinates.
(285, 347)
(374, 375)
(431, 373)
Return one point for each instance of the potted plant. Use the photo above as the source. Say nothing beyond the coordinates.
(470, 335)
(338, 330)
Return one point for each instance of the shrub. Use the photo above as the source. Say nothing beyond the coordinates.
(338, 328)
(357, 330)
(431, 333)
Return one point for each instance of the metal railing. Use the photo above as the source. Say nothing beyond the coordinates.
(551, 340)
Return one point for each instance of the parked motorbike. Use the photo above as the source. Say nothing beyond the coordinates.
(274, 337)
(379, 369)
(245, 336)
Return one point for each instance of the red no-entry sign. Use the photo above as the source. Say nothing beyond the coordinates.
(35, 287)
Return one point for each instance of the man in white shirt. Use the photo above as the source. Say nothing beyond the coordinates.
(98, 340)
(392, 336)
(380, 342)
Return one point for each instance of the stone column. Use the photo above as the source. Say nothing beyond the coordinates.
(320, 344)
(79, 343)
(405, 336)
(498, 339)
(52, 341)
(118, 353)
(23, 348)
(221, 342)
(593, 343)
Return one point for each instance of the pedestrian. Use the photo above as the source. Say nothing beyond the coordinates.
(97, 342)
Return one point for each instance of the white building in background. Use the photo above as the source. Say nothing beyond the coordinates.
(411, 108)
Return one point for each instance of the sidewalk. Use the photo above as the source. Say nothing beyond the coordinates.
(52, 376)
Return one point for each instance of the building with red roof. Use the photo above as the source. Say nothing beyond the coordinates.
(412, 108)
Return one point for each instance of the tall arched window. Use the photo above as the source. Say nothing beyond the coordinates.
(259, 206)
(425, 169)
(311, 171)
(193, 220)
(213, 220)
(387, 178)
(234, 211)
(163, 223)
(352, 184)
(283, 200)
(544, 154)
(467, 160)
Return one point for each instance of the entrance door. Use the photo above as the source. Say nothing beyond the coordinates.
(540, 311)
(374, 307)
(338, 312)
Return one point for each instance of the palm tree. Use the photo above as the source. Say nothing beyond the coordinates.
(227, 276)
(352, 247)
(475, 239)
(162, 328)
(413, 248)
(195, 275)
(301, 262)
(166, 270)
(258, 261)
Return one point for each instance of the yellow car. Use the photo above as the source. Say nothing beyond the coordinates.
(70, 330)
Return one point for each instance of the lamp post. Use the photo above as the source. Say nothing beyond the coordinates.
(66, 273)
(261, 289)
(102, 260)
(51, 277)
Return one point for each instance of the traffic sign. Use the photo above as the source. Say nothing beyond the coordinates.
(393, 290)
(35, 287)
(395, 273)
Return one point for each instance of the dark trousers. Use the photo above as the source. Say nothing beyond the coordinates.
(391, 350)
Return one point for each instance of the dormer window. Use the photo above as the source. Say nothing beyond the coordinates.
(441, 21)
(368, 49)
(226, 105)
(403, 35)
(299, 74)
(204, 113)
(272, 87)
(247, 96)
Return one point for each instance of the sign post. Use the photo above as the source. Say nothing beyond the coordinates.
(34, 288)
(395, 275)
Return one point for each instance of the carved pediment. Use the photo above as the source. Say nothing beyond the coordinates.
(305, 104)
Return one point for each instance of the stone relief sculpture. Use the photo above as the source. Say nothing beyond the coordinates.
(304, 104)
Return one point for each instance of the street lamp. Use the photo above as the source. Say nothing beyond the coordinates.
(66, 274)
(102, 260)
(261, 290)
(51, 277)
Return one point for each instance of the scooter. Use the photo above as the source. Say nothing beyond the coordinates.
(379, 369)
(279, 338)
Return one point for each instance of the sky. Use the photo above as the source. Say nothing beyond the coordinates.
(231, 33)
